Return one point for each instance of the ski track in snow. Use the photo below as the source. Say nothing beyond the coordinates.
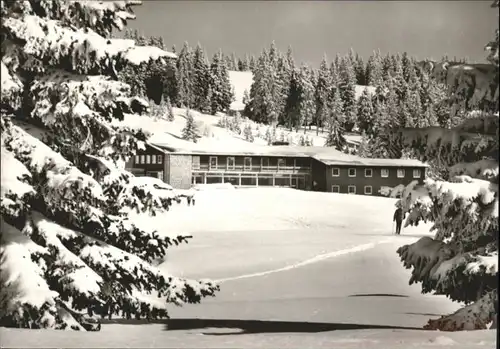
(315, 259)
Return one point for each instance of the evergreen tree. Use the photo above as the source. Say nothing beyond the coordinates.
(246, 97)
(348, 93)
(308, 104)
(190, 131)
(201, 81)
(262, 107)
(185, 97)
(322, 93)
(374, 70)
(398, 79)
(461, 260)
(359, 68)
(251, 63)
(248, 133)
(336, 118)
(364, 146)
(234, 63)
(220, 85)
(365, 113)
(284, 72)
(67, 234)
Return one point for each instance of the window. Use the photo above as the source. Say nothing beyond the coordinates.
(335, 172)
(352, 172)
(143, 159)
(368, 190)
(417, 173)
(159, 159)
(265, 163)
(213, 162)
(351, 189)
(368, 172)
(153, 159)
(281, 163)
(196, 163)
(148, 159)
(384, 173)
(335, 189)
(137, 159)
(230, 163)
(247, 164)
(401, 173)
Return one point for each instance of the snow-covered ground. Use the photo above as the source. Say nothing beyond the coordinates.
(297, 269)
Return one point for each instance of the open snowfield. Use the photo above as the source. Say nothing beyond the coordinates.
(297, 270)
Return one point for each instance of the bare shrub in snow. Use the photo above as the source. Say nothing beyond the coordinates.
(68, 247)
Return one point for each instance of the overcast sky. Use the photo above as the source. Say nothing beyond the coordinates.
(312, 28)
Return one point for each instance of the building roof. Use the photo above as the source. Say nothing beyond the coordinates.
(325, 155)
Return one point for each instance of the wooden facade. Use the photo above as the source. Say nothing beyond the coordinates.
(300, 171)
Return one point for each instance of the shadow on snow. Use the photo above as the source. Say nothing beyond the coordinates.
(258, 326)
(254, 326)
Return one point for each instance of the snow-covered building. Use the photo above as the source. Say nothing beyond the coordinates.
(307, 168)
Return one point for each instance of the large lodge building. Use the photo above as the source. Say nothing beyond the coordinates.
(307, 168)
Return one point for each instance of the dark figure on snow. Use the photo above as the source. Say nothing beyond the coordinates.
(398, 218)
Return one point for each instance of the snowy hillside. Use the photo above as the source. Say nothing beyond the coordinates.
(240, 81)
(213, 136)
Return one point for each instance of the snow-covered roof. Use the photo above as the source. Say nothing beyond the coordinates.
(326, 155)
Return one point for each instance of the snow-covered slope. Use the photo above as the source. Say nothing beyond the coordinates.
(240, 81)
(312, 276)
(215, 137)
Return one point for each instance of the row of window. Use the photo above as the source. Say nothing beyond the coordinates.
(384, 173)
(148, 159)
(351, 189)
(231, 163)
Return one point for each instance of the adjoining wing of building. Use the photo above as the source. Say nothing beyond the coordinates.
(307, 168)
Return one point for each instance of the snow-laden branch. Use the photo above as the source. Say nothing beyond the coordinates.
(98, 96)
(72, 277)
(14, 188)
(102, 16)
(62, 186)
(18, 267)
(11, 87)
(85, 50)
(440, 267)
(475, 316)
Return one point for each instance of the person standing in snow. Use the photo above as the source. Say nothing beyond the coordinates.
(398, 218)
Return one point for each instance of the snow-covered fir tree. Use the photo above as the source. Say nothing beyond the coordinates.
(221, 95)
(335, 136)
(190, 131)
(68, 244)
(201, 81)
(365, 112)
(185, 97)
(374, 71)
(322, 93)
(461, 261)
(247, 132)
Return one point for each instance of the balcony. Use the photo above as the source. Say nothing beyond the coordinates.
(254, 169)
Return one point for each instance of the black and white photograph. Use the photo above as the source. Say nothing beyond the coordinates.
(249, 174)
